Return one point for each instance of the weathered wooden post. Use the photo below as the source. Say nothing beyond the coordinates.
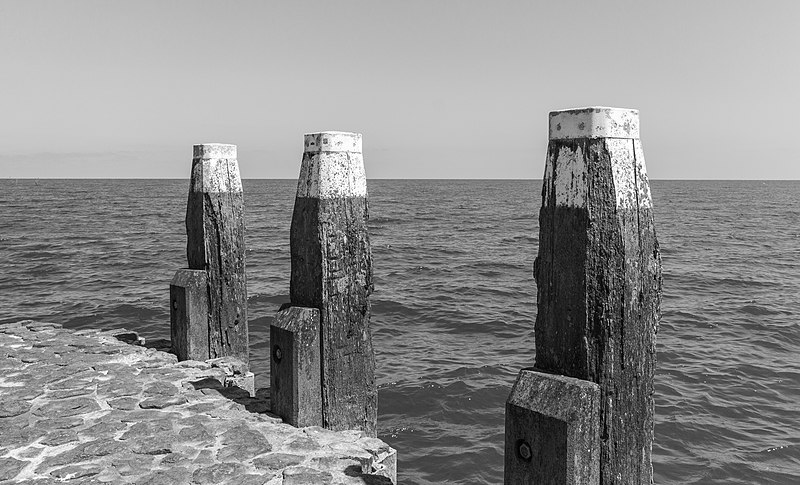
(598, 275)
(215, 246)
(332, 271)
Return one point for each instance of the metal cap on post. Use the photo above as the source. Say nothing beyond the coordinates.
(595, 122)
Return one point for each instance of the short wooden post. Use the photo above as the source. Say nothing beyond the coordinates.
(332, 271)
(598, 275)
(552, 432)
(188, 294)
(215, 244)
(295, 382)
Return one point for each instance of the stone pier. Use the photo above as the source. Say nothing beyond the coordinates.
(94, 406)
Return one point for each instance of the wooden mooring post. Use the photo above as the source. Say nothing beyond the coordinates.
(332, 272)
(598, 275)
(215, 281)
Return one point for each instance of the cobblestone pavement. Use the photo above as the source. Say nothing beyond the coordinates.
(91, 406)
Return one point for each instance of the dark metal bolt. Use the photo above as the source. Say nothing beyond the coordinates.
(277, 353)
(524, 450)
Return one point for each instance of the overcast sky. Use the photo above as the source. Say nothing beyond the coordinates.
(439, 89)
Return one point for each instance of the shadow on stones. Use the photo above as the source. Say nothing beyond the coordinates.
(131, 338)
(257, 405)
(164, 345)
(355, 471)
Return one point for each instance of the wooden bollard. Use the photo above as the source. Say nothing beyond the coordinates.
(332, 271)
(598, 275)
(215, 234)
(552, 432)
(295, 381)
(188, 294)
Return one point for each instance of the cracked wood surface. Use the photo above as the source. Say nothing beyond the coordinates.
(598, 274)
(215, 243)
(332, 271)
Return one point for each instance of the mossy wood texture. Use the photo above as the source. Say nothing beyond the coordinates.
(332, 271)
(215, 232)
(295, 366)
(598, 275)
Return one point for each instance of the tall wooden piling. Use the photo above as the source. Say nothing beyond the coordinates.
(598, 275)
(332, 271)
(215, 244)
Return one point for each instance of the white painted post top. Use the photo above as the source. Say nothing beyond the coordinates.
(214, 150)
(333, 166)
(594, 122)
(332, 141)
(215, 169)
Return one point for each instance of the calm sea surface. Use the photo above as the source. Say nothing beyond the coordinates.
(454, 306)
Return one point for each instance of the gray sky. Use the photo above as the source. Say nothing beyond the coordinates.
(440, 89)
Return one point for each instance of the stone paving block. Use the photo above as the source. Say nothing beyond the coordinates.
(91, 419)
(246, 382)
(10, 467)
(303, 475)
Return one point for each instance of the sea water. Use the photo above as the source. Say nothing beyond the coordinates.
(455, 303)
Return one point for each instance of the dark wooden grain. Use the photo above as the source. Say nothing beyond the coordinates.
(598, 275)
(547, 441)
(332, 271)
(188, 293)
(215, 230)
(295, 366)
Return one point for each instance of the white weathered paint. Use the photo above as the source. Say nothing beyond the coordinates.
(566, 185)
(645, 198)
(565, 177)
(623, 170)
(594, 122)
(332, 141)
(332, 167)
(215, 169)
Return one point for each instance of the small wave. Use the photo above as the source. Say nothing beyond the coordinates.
(384, 220)
(757, 310)
(262, 298)
(391, 307)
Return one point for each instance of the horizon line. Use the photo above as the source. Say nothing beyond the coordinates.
(405, 178)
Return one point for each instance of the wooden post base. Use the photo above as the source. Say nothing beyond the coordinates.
(552, 430)
(188, 314)
(295, 366)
